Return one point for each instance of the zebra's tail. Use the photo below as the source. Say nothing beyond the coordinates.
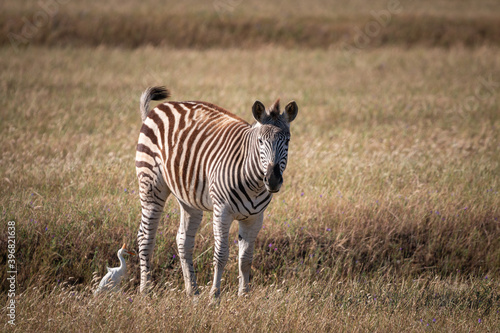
(152, 94)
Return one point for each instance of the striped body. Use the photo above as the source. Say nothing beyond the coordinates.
(210, 160)
(198, 147)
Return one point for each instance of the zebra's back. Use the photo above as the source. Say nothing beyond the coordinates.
(187, 142)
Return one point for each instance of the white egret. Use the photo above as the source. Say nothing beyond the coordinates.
(111, 281)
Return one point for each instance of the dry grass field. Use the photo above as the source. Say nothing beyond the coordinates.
(235, 23)
(389, 218)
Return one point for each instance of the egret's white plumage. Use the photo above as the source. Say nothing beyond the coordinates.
(111, 281)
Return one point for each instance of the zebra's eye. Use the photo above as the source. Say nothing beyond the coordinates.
(260, 141)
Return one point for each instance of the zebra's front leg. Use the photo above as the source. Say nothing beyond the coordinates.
(190, 221)
(248, 231)
(222, 223)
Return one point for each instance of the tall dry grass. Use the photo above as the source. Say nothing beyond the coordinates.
(235, 23)
(386, 153)
(391, 188)
(355, 306)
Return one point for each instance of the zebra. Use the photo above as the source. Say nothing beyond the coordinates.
(210, 160)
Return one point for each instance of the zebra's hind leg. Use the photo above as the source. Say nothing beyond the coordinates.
(189, 224)
(153, 193)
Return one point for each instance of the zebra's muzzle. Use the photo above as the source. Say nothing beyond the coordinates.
(273, 178)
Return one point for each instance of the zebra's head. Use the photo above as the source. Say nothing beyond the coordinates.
(273, 135)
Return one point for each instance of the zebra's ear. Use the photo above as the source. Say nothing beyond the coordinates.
(259, 111)
(291, 110)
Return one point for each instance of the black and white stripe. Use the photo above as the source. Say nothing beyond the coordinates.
(210, 160)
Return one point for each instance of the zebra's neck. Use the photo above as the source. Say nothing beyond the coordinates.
(253, 174)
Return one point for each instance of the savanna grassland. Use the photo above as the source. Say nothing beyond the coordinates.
(389, 216)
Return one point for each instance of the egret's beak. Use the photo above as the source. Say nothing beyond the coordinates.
(123, 247)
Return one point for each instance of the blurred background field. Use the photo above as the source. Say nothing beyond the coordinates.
(250, 24)
(389, 218)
